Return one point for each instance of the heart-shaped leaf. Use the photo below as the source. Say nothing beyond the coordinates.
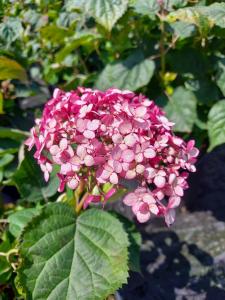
(69, 257)
(105, 12)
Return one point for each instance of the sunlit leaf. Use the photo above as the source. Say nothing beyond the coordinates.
(10, 69)
(132, 73)
(68, 257)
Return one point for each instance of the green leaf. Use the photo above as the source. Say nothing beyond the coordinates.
(30, 183)
(132, 73)
(181, 109)
(5, 267)
(10, 69)
(216, 124)
(68, 257)
(105, 12)
(11, 30)
(182, 29)
(14, 134)
(151, 7)
(55, 34)
(195, 62)
(6, 159)
(80, 39)
(19, 219)
(205, 17)
(146, 7)
(216, 13)
(220, 76)
(204, 89)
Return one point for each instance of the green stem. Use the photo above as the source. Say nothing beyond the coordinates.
(162, 47)
(80, 204)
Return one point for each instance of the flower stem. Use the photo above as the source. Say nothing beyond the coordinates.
(80, 204)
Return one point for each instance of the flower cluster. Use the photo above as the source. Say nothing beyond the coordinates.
(114, 135)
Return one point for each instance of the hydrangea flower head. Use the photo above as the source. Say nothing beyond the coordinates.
(110, 137)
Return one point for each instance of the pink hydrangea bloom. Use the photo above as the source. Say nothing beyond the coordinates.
(110, 136)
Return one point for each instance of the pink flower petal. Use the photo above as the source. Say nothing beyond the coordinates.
(149, 153)
(81, 151)
(159, 181)
(73, 183)
(174, 202)
(130, 199)
(154, 209)
(179, 191)
(54, 149)
(66, 168)
(117, 167)
(148, 198)
(89, 160)
(81, 125)
(140, 169)
(93, 125)
(170, 217)
(113, 178)
(91, 198)
(117, 138)
(128, 155)
(130, 174)
(63, 144)
(142, 218)
(130, 140)
(125, 127)
(89, 134)
(140, 111)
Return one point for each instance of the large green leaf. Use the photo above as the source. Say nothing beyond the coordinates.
(19, 219)
(216, 124)
(152, 7)
(216, 13)
(181, 109)
(11, 30)
(30, 183)
(211, 15)
(105, 12)
(10, 69)
(68, 257)
(132, 73)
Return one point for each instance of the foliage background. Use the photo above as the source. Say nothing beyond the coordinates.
(171, 50)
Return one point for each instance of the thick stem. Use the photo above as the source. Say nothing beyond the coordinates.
(80, 204)
(162, 45)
